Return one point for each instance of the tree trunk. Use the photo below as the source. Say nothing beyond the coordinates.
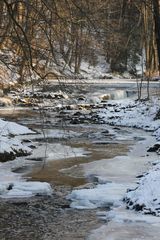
(156, 6)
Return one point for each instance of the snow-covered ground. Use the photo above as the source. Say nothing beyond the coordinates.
(92, 72)
(10, 146)
(12, 128)
(134, 114)
(146, 196)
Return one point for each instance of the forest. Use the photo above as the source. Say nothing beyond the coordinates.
(79, 119)
(46, 39)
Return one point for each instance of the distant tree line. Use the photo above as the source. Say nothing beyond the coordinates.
(39, 33)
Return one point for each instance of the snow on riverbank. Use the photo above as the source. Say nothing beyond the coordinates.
(11, 184)
(10, 146)
(11, 128)
(146, 197)
(130, 113)
(126, 113)
(119, 174)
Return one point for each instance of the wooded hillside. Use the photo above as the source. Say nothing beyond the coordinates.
(37, 35)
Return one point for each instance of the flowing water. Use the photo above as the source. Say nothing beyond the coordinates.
(99, 144)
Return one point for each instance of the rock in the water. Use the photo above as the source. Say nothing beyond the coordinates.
(155, 148)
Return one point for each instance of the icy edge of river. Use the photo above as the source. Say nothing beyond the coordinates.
(15, 141)
(124, 224)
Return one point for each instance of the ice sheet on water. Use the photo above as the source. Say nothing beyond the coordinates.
(102, 195)
(57, 151)
(20, 188)
(126, 231)
(121, 215)
(59, 134)
(127, 225)
(24, 189)
(12, 184)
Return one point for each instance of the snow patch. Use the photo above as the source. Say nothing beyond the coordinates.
(11, 128)
(130, 113)
(146, 196)
(13, 146)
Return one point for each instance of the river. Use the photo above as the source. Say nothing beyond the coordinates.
(89, 150)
